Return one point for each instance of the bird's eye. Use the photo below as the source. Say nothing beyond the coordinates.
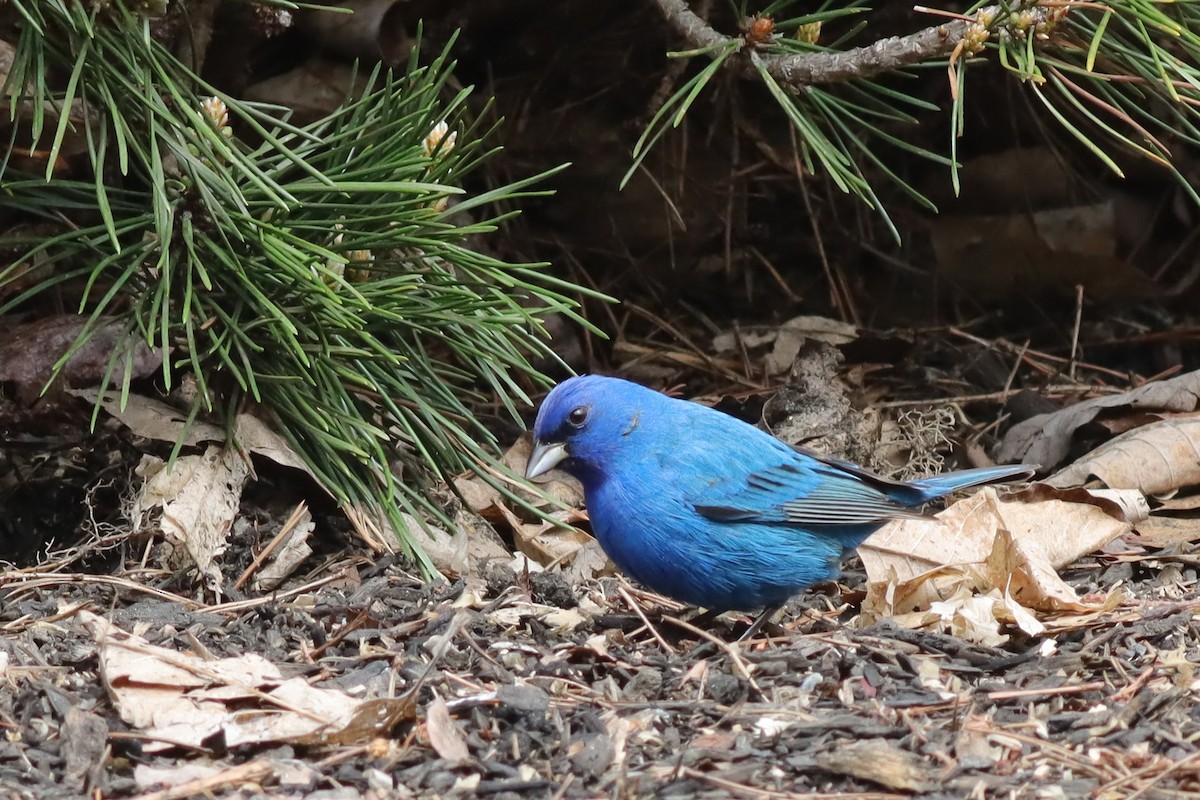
(578, 416)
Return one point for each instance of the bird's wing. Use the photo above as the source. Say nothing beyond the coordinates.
(804, 490)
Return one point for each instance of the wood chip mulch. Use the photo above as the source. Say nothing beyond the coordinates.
(1106, 708)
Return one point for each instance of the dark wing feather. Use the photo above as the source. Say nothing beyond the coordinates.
(805, 491)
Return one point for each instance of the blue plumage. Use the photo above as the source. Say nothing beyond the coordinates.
(710, 510)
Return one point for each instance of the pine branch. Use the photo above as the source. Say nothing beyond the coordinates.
(799, 70)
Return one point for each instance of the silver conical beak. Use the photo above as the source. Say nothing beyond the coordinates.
(544, 458)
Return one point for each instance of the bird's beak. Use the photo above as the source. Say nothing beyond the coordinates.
(545, 457)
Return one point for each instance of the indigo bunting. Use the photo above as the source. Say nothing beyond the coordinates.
(710, 510)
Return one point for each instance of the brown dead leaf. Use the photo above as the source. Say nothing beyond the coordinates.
(8, 55)
(972, 745)
(1161, 531)
(543, 541)
(1046, 438)
(1012, 545)
(978, 617)
(199, 496)
(590, 562)
(312, 90)
(1018, 177)
(375, 32)
(555, 484)
(466, 550)
(370, 720)
(786, 339)
(176, 698)
(1018, 255)
(445, 738)
(549, 543)
(713, 740)
(83, 738)
(200, 780)
(1156, 459)
(155, 419)
(1179, 503)
(289, 554)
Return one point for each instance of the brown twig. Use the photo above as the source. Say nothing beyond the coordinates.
(239, 777)
(730, 650)
(637, 609)
(1016, 694)
(298, 514)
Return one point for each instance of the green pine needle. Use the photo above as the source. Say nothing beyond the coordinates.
(321, 272)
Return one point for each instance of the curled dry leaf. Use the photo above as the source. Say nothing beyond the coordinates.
(154, 419)
(1040, 252)
(804, 327)
(984, 543)
(200, 496)
(786, 340)
(555, 485)
(1157, 459)
(463, 552)
(374, 32)
(179, 699)
(289, 553)
(544, 541)
(1046, 438)
(312, 90)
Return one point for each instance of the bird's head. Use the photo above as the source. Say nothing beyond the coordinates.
(583, 424)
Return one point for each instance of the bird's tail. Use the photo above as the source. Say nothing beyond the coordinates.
(938, 485)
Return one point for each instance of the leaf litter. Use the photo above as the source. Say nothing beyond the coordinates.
(1015, 634)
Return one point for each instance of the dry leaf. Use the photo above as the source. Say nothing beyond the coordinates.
(984, 543)
(545, 542)
(255, 436)
(975, 617)
(793, 334)
(786, 338)
(178, 699)
(147, 776)
(555, 484)
(461, 553)
(548, 543)
(375, 32)
(312, 90)
(1046, 438)
(1162, 531)
(1018, 177)
(1024, 254)
(1156, 459)
(590, 562)
(289, 555)
(370, 720)
(199, 497)
(155, 419)
(445, 738)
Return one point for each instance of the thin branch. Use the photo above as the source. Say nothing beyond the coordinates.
(799, 70)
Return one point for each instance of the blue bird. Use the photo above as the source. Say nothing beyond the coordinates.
(707, 509)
